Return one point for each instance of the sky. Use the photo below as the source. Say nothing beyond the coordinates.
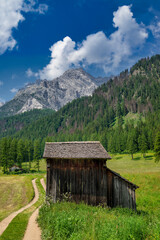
(41, 39)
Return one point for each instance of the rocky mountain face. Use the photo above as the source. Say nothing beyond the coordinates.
(1, 104)
(54, 94)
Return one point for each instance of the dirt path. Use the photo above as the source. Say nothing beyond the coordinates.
(43, 183)
(33, 231)
(5, 222)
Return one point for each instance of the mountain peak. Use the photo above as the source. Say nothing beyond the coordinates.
(54, 94)
(77, 72)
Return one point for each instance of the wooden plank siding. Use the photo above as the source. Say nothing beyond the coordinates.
(88, 181)
(120, 191)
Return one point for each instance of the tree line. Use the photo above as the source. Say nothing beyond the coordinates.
(102, 116)
(20, 153)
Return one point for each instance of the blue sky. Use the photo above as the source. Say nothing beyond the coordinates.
(42, 39)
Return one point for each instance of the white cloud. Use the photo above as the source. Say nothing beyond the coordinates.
(14, 90)
(97, 49)
(30, 73)
(60, 59)
(1, 83)
(155, 29)
(33, 6)
(11, 15)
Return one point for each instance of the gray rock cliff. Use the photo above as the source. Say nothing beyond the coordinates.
(54, 94)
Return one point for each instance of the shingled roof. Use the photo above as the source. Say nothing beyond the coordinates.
(75, 150)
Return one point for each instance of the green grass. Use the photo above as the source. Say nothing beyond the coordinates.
(76, 222)
(43, 165)
(42, 168)
(17, 227)
(129, 118)
(133, 117)
(72, 221)
(122, 163)
(15, 192)
(143, 172)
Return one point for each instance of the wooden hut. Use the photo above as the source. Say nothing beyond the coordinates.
(79, 168)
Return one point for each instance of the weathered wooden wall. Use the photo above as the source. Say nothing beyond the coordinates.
(84, 179)
(88, 181)
(120, 191)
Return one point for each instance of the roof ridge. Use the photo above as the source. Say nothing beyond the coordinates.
(79, 142)
(75, 150)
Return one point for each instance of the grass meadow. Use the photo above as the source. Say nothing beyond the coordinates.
(67, 220)
(15, 192)
(17, 227)
(75, 222)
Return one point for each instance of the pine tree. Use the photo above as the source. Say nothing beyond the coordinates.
(142, 142)
(157, 147)
(13, 152)
(37, 153)
(20, 152)
(4, 155)
(132, 144)
(30, 153)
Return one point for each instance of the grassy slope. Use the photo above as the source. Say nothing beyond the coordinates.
(143, 172)
(122, 163)
(15, 192)
(76, 222)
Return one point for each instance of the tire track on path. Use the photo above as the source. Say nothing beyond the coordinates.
(5, 222)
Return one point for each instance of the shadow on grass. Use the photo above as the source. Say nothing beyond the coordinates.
(143, 213)
(149, 157)
(136, 158)
(117, 158)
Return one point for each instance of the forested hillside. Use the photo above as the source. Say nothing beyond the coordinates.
(10, 125)
(124, 113)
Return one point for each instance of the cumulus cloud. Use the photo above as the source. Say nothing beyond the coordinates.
(14, 90)
(60, 59)
(97, 49)
(30, 73)
(1, 83)
(11, 14)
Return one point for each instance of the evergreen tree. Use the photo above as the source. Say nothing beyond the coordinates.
(118, 110)
(37, 153)
(157, 147)
(20, 152)
(28, 152)
(13, 151)
(142, 142)
(4, 155)
(132, 144)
